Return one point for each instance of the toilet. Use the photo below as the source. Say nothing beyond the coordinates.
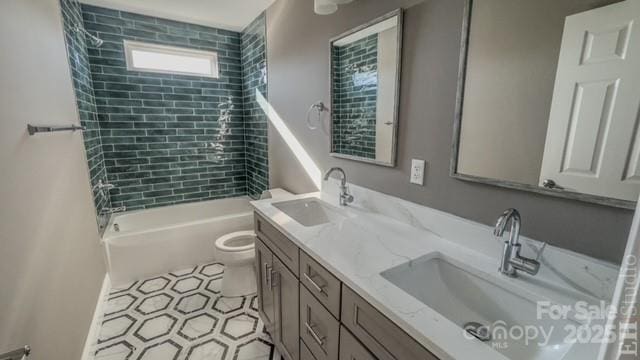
(237, 252)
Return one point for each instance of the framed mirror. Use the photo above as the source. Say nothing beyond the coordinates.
(365, 81)
(549, 99)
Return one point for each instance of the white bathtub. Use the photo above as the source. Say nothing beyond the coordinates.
(157, 241)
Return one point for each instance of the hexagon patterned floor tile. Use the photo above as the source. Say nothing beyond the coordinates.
(212, 270)
(154, 303)
(198, 326)
(115, 328)
(192, 303)
(119, 303)
(254, 349)
(214, 285)
(186, 285)
(152, 285)
(181, 316)
(183, 272)
(166, 350)
(240, 326)
(118, 351)
(155, 327)
(228, 305)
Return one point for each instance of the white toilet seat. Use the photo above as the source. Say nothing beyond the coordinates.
(236, 241)
(237, 252)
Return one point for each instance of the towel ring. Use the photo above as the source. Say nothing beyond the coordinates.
(319, 107)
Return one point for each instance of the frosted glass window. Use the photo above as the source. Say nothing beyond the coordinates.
(170, 60)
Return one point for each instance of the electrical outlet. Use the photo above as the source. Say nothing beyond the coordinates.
(417, 171)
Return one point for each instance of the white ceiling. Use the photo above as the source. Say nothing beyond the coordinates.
(225, 14)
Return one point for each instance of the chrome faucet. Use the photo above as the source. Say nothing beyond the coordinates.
(345, 197)
(512, 261)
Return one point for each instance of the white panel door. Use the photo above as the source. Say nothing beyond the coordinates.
(593, 141)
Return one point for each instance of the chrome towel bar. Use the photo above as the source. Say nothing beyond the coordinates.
(18, 354)
(38, 129)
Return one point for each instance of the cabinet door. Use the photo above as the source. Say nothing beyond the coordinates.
(287, 315)
(264, 278)
(351, 349)
(381, 336)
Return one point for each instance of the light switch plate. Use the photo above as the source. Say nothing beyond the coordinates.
(417, 171)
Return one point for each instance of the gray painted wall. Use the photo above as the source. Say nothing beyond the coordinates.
(298, 57)
(51, 263)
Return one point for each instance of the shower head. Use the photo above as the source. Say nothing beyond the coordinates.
(95, 41)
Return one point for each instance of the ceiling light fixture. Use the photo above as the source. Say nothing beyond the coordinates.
(327, 7)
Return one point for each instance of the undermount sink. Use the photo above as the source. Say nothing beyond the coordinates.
(309, 212)
(465, 298)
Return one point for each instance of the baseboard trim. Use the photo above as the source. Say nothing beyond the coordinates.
(92, 336)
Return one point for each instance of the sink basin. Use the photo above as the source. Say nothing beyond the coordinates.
(309, 212)
(463, 297)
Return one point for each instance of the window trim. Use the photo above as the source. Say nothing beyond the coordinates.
(130, 46)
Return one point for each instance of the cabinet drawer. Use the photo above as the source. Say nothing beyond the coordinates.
(350, 347)
(281, 246)
(378, 334)
(321, 283)
(318, 328)
(305, 353)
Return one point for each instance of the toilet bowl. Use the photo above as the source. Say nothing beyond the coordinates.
(237, 252)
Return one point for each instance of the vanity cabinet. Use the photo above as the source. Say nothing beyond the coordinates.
(278, 301)
(311, 315)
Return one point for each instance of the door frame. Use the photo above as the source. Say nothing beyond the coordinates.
(626, 295)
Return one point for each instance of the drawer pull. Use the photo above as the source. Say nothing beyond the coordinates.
(318, 339)
(313, 283)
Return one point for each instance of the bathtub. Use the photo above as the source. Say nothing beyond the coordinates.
(143, 243)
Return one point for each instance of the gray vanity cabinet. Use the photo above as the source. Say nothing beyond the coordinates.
(278, 301)
(278, 287)
(311, 315)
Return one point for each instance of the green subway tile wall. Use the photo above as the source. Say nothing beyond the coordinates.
(254, 79)
(355, 87)
(171, 139)
(81, 75)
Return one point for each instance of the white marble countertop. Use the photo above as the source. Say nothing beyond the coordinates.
(366, 243)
